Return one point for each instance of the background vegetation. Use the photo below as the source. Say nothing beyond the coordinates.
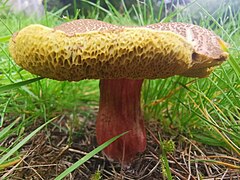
(205, 110)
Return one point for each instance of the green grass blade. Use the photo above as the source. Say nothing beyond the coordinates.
(5, 38)
(45, 11)
(165, 165)
(126, 12)
(98, 6)
(3, 112)
(22, 142)
(6, 129)
(18, 84)
(235, 66)
(160, 12)
(5, 25)
(87, 157)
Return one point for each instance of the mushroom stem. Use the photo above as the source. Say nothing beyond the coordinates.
(120, 111)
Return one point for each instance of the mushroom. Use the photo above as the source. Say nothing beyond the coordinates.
(121, 57)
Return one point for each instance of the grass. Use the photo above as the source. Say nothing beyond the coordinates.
(205, 110)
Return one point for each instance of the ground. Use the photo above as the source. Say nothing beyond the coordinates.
(49, 153)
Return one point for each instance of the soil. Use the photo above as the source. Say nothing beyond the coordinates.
(55, 148)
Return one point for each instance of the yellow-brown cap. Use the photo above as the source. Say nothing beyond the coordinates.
(90, 49)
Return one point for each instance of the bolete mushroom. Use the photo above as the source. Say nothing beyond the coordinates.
(121, 57)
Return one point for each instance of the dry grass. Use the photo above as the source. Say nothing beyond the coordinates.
(49, 153)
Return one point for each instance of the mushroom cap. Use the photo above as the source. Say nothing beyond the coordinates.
(85, 25)
(209, 49)
(91, 49)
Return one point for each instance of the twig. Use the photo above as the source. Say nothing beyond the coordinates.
(34, 171)
(189, 161)
(183, 168)
(177, 174)
(150, 172)
(60, 154)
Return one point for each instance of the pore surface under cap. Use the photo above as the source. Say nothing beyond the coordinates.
(134, 53)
